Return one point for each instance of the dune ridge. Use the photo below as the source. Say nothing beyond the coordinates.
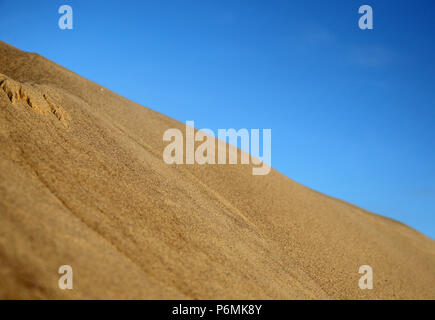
(83, 183)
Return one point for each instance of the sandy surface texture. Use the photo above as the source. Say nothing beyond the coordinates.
(83, 183)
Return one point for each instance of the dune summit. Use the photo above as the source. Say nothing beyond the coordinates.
(83, 183)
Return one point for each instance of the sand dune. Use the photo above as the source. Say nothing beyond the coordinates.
(83, 183)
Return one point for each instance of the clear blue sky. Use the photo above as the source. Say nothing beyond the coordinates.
(352, 112)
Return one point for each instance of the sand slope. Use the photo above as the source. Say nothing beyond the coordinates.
(82, 182)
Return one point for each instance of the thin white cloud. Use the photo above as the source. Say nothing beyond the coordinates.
(316, 35)
(370, 56)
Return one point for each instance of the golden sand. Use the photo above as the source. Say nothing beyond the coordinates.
(83, 183)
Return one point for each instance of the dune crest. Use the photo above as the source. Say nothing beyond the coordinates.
(83, 183)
